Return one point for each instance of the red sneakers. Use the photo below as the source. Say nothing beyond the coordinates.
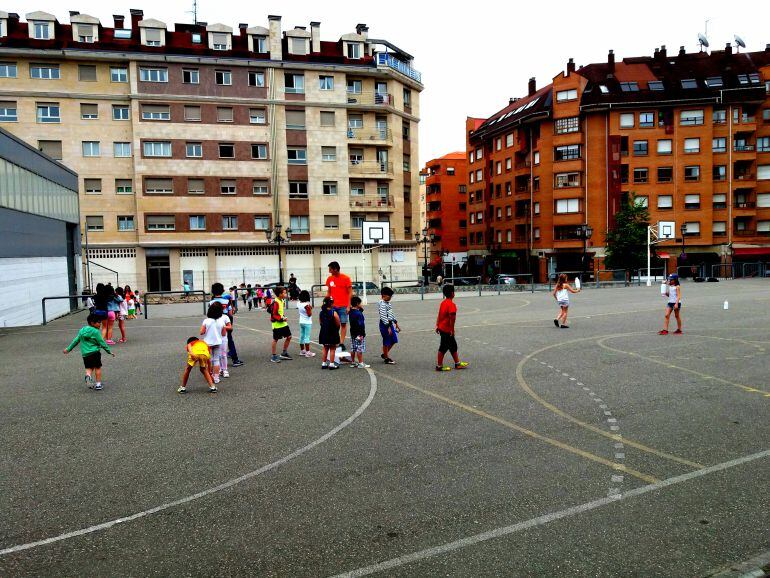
(663, 332)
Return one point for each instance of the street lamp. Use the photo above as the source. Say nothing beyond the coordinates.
(584, 232)
(425, 240)
(274, 237)
(683, 230)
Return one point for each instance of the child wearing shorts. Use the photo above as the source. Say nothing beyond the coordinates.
(445, 327)
(305, 323)
(329, 336)
(91, 343)
(280, 325)
(389, 328)
(197, 353)
(561, 294)
(357, 333)
(214, 331)
(674, 304)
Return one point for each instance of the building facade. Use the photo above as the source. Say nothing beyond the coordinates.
(191, 144)
(446, 207)
(687, 134)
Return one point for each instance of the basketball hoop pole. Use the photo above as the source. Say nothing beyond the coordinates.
(364, 299)
(649, 230)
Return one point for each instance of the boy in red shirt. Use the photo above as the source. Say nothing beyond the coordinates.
(340, 289)
(445, 327)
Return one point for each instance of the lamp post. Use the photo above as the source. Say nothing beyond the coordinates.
(274, 237)
(683, 230)
(585, 232)
(425, 240)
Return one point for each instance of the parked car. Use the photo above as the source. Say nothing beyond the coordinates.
(459, 281)
(503, 279)
(370, 287)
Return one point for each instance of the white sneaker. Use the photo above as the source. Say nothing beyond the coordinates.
(302, 353)
(225, 373)
(309, 354)
(354, 364)
(363, 365)
(216, 379)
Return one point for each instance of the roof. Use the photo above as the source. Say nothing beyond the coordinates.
(455, 156)
(517, 111)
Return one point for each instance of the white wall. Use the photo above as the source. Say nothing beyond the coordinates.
(23, 284)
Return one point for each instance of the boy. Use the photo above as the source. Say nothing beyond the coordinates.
(91, 344)
(445, 327)
(197, 352)
(389, 328)
(357, 333)
(280, 325)
(218, 296)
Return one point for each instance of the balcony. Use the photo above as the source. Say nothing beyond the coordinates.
(743, 148)
(375, 136)
(390, 61)
(370, 98)
(371, 169)
(744, 232)
(744, 177)
(744, 204)
(372, 202)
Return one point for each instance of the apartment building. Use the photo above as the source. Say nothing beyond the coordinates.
(687, 134)
(193, 143)
(446, 192)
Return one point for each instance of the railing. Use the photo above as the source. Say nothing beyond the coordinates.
(744, 232)
(372, 201)
(370, 167)
(744, 177)
(117, 275)
(744, 204)
(375, 134)
(385, 59)
(745, 118)
(743, 148)
(183, 293)
(370, 98)
(70, 297)
(303, 196)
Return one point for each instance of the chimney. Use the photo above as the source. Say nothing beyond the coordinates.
(242, 27)
(681, 51)
(729, 48)
(119, 19)
(767, 47)
(532, 87)
(363, 30)
(570, 66)
(513, 99)
(74, 13)
(656, 54)
(275, 41)
(663, 53)
(611, 62)
(136, 17)
(315, 37)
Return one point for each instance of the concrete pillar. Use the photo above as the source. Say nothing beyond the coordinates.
(275, 40)
(542, 272)
(175, 267)
(141, 270)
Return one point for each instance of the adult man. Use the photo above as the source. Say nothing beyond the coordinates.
(340, 289)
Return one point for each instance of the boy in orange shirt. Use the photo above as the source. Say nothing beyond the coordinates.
(197, 352)
(445, 327)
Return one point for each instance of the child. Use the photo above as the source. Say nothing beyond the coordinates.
(561, 294)
(214, 331)
(280, 325)
(389, 328)
(329, 335)
(91, 344)
(305, 324)
(218, 295)
(259, 294)
(138, 301)
(357, 332)
(113, 308)
(674, 294)
(197, 352)
(122, 314)
(445, 327)
(131, 308)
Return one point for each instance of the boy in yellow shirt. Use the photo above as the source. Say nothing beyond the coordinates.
(280, 326)
(197, 352)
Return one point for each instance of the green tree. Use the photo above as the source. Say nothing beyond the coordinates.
(627, 240)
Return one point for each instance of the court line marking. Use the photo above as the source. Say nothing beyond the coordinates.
(601, 343)
(516, 427)
(547, 518)
(549, 406)
(218, 488)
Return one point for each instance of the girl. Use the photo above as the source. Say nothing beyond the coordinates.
(329, 336)
(100, 307)
(674, 294)
(305, 324)
(259, 295)
(214, 330)
(138, 301)
(122, 314)
(129, 296)
(113, 307)
(561, 294)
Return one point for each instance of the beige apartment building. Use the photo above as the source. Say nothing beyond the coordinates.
(192, 143)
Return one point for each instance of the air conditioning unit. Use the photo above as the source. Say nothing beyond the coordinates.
(541, 254)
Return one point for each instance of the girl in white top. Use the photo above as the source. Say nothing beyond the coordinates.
(305, 323)
(674, 294)
(561, 294)
(214, 329)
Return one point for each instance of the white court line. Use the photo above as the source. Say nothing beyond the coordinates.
(546, 519)
(208, 492)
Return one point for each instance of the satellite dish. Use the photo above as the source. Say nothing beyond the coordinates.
(703, 41)
(739, 41)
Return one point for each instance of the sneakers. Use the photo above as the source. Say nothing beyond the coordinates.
(216, 379)
(678, 332)
(275, 359)
(564, 326)
(309, 354)
(302, 353)
(89, 381)
(110, 342)
(389, 361)
(461, 365)
(363, 365)
(98, 386)
(237, 363)
(182, 389)
(443, 368)
(556, 322)
(285, 355)
(325, 365)
(121, 340)
(225, 373)
(213, 389)
(334, 366)
(354, 364)
(663, 332)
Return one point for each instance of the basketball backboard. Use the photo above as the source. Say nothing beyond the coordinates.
(375, 233)
(666, 230)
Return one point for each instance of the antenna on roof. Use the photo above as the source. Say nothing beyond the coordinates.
(703, 41)
(739, 41)
(194, 11)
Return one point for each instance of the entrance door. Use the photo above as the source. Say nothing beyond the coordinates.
(382, 158)
(158, 274)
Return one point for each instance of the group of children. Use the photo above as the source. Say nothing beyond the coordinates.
(111, 304)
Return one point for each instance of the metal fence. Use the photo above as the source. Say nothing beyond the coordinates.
(73, 303)
(170, 301)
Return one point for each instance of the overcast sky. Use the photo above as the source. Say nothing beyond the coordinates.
(474, 55)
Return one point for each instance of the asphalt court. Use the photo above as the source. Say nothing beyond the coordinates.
(603, 449)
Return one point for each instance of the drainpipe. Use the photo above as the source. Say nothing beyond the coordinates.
(730, 183)
(273, 149)
(530, 238)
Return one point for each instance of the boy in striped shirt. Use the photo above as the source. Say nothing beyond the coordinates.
(389, 328)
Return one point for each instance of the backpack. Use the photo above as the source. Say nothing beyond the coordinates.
(272, 309)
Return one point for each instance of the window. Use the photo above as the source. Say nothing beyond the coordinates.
(257, 116)
(766, 113)
(763, 226)
(196, 38)
(719, 173)
(295, 119)
(566, 153)
(479, 217)
(655, 85)
(197, 222)
(719, 145)
(330, 188)
(219, 41)
(260, 187)
(642, 201)
(159, 186)
(160, 222)
(536, 208)
(537, 232)
(124, 186)
(479, 153)
(41, 30)
(44, 71)
(191, 76)
(688, 83)
(125, 222)
(692, 201)
(120, 112)
(92, 186)
(472, 177)
(763, 172)
(536, 158)
(223, 77)
(327, 118)
(299, 224)
(260, 44)
(121, 149)
(627, 120)
(356, 188)
(664, 147)
(665, 174)
(354, 86)
(355, 120)
(719, 116)
(641, 175)
(224, 114)
(508, 165)
(8, 70)
(85, 33)
(356, 221)
(479, 175)
(562, 126)
(157, 148)
(563, 180)
(692, 228)
(153, 74)
(259, 151)
(227, 186)
(407, 98)
(665, 202)
(193, 150)
(195, 187)
(122, 33)
(229, 222)
(692, 173)
(356, 156)
(629, 87)
(568, 205)
(763, 200)
(8, 112)
(354, 50)
(719, 201)
(89, 111)
(691, 117)
(226, 150)
(52, 148)
(498, 168)
(298, 190)
(329, 154)
(298, 46)
(719, 228)
(95, 223)
(509, 137)
(297, 155)
(295, 83)
(86, 72)
(326, 82)
(91, 148)
(498, 143)
(257, 78)
(763, 144)
(261, 223)
(192, 113)
(153, 36)
(473, 218)
(331, 222)
(640, 148)
(692, 145)
(118, 74)
(156, 112)
(565, 95)
(646, 119)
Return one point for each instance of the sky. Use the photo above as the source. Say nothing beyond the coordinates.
(474, 56)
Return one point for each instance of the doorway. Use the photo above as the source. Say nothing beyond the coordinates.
(158, 274)
(72, 279)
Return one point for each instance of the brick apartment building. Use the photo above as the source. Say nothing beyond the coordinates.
(688, 134)
(446, 208)
(191, 143)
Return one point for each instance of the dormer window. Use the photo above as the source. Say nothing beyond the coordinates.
(689, 83)
(354, 50)
(629, 87)
(152, 36)
(123, 33)
(85, 33)
(196, 38)
(42, 30)
(298, 46)
(219, 41)
(260, 44)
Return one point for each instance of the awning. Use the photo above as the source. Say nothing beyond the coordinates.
(751, 251)
(663, 256)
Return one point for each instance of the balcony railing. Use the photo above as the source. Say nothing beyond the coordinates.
(370, 134)
(743, 148)
(385, 59)
(745, 204)
(744, 232)
(370, 98)
(747, 118)
(370, 167)
(744, 177)
(372, 202)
